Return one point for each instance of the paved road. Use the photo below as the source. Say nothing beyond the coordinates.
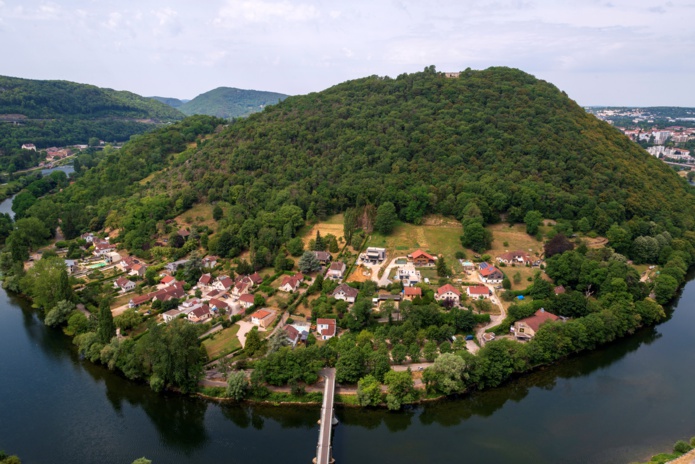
(494, 319)
(323, 450)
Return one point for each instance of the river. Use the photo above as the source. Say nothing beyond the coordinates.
(622, 403)
(6, 205)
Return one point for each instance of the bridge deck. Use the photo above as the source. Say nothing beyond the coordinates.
(323, 450)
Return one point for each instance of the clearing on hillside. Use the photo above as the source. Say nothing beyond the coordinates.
(332, 225)
(223, 342)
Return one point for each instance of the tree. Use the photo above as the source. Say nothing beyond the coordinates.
(517, 277)
(430, 350)
(448, 372)
(349, 224)
(665, 288)
(237, 385)
(476, 237)
(308, 263)
(319, 244)
(295, 246)
(253, 342)
(386, 218)
(217, 213)
(506, 284)
(557, 245)
(369, 391)
(142, 461)
(106, 329)
(400, 389)
(47, 282)
(533, 220)
(128, 319)
(350, 366)
(442, 269)
(398, 353)
(59, 314)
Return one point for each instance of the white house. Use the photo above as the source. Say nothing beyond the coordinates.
(409, 275)
(345, 292)
(448, 293)
(336, 270)
(325, 328)
(124, 284)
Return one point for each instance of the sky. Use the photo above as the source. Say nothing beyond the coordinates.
(617, 52)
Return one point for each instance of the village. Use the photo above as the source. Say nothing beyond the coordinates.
(268, 302)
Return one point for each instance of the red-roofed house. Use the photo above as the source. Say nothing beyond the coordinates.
(336, 270)
(224, 283)
(256, 279)
(478, 291)
(448, 293)
(205, 280)
(292, 335)
(292, 283)
(246, 300)
(138, 300)
(420, 258)
(410, 293)
(138, 270)
(124, 284)
(263, 318)
(559, 290)
(515, 257)
(200, 314)
(490, 274)
(325, 328)
(526, 328)
(218, 304)
(345, 292)
(168, 281)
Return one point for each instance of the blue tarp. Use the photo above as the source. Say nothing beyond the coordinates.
(520, 297)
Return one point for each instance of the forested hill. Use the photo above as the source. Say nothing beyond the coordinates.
(499, 138)
(173, 102)
(37, 99)
(226, 102)
(59, 113)
(494, 144)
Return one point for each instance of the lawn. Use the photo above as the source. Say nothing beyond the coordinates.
(436, 236)
(516, 238)
(191, 216)
(223, 342)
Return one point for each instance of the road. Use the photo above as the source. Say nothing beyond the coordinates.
(495, 319)
(323, 450)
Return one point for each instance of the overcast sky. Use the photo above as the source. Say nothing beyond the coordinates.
(615, 52)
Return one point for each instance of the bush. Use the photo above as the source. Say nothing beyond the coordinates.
(681, 447)
(460, 255)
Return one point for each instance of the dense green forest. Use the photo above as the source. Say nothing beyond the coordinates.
(173, 102)
(60, 113)
(494, 144)
(228, 103)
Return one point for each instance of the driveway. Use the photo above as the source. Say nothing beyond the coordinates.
(495, 319)
(244, 328)
(384, 281)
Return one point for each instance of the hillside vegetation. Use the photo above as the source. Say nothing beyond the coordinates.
(60, 113)
(488, 144)
(227, 102)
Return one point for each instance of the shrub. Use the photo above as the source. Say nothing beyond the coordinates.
(681, 447)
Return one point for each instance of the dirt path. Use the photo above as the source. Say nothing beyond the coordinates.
(495, 319)
(244, 328)
(688, 458)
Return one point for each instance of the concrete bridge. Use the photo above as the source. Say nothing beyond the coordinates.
(324, 452)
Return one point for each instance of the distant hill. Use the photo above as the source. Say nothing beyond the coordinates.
(59, 113)
(227, 102)
(173, 102)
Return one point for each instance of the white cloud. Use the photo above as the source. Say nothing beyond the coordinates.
(262, 12)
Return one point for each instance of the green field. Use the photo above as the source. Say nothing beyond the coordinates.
(223, 342)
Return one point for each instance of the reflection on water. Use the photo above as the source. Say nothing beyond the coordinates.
(626, 400)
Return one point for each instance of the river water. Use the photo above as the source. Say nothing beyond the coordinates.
(622, 403)
(6, 205)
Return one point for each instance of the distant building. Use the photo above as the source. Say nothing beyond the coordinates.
(29, 146)
(526, 328)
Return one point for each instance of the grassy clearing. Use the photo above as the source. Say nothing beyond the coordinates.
(191, 216)
(332, 225)
(516, 239)
(224, 341)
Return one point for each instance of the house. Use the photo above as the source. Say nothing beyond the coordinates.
(184, 233)
(410, 293)
(263, 318)
(246, 300)
(173, 267)
(489, 274)
(241, 288)
(213, 293)
(292, 335)
(200, 314)
(325, 328)
(71, 265)
(28, 146)
(171, 315)
(408, 275)
(205, 280)
(323, 256)
(88, 237)
(420, 258)
(448, 293)
(173, 291)
(124, 284)
(375, 255)
(255, 278)
(559, 290)
(139, 300)
(138, 270)
(336, 270)
(525, 329)
(292, 283)
(210, 261)
(345, 292)
(101, 248)
(218, 305)
(168, 281)
(112, 257)
(478, 291)
(515, 257)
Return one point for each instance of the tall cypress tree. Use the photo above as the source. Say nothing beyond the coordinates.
(106, 329)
